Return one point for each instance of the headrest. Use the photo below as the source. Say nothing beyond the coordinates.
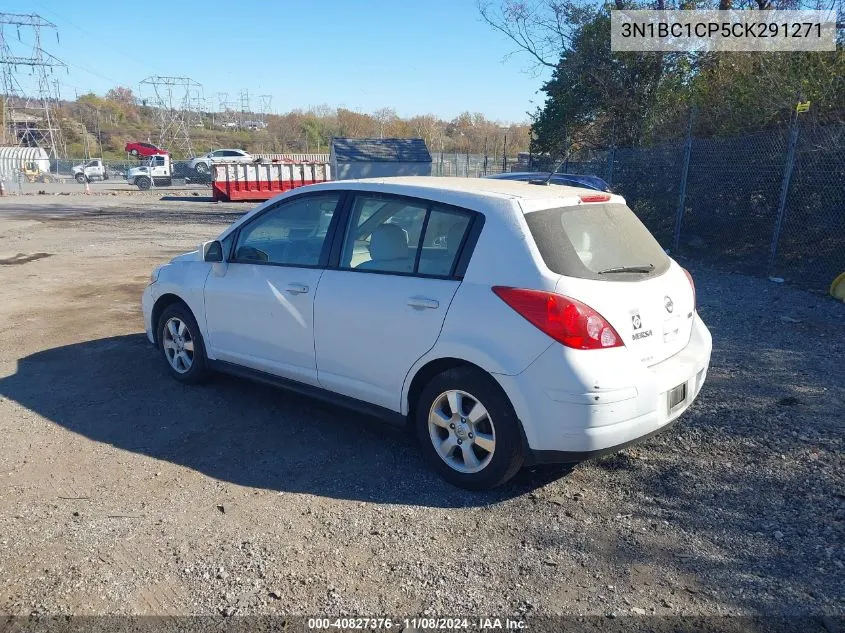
(389, 241)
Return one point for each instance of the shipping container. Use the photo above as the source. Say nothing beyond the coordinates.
(262, 181)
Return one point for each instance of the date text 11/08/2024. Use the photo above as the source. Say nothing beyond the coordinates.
(445, 624)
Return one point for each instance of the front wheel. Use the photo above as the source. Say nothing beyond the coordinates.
(143, 183)
(201, 168)
(181, 344)
(468, 429)
(81, 178)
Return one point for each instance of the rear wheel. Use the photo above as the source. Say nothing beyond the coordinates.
(143, 183)
(181, 344)
(468, 429)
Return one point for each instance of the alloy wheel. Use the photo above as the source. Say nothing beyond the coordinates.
(178, 344)
(461, 431)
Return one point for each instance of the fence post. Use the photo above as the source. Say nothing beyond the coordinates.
(611, 155)
(682, 196)
(784, 188)
(485, 155)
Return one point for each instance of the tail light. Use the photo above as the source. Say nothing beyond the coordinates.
(566, 320)
(692, 285)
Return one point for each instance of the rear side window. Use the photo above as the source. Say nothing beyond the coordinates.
(444, 235)
(596, 241)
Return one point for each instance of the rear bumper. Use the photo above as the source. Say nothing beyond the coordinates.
(535, 457)
(574, 405)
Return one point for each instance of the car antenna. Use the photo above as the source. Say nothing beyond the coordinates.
(546, 181)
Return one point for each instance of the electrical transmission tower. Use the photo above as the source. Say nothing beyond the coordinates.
(30, 95)
(266, 101)
(227, 117)
(175, 100)
(244, 106)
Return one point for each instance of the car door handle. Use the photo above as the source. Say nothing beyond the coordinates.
(296, 289)
(422, 303)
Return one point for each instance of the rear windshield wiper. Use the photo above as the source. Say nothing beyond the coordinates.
(647, 268)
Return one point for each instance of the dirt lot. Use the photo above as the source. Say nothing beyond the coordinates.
(122, 491)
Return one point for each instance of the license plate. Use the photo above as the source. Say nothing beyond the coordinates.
(677, 396)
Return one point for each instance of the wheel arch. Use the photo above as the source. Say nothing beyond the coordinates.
(429, 370)
(161, 304)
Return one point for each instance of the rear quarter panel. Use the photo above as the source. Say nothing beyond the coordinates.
(479, 327)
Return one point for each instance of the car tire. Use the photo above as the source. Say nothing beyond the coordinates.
(143, 183)
(179, 339)
(134, 152)
(201, 168)
(80, 178)
(471, 448)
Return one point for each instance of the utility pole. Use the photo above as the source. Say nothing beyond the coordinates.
(29, 119)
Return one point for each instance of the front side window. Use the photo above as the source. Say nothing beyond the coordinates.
(403, 236)
(293, 233)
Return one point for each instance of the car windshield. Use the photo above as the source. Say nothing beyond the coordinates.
(596, 241)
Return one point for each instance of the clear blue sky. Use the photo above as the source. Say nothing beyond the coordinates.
(416, 56)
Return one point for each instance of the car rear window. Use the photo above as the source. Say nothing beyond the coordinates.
(591, 241)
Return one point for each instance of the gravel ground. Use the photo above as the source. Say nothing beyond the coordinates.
(124, 492)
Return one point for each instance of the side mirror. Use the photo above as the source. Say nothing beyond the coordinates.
(212, 251)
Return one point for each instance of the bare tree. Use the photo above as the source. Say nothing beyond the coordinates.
(541, 28)
(383, 117)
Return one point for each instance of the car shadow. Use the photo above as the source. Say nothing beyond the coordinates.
(117, 391)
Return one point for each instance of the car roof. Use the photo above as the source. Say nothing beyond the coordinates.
(424, 186)
(490, 197)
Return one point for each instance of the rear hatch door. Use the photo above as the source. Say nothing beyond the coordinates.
(609, 260)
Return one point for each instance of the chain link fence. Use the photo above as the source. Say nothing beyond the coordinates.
(470, 165)
(769, 203)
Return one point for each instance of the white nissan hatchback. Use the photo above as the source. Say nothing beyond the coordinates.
(510, 323)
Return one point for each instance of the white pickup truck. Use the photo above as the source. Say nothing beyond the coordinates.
(156, 170)
(93, 169)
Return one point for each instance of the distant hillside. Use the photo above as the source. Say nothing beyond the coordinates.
(101, 126)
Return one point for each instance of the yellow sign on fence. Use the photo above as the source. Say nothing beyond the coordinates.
(802, 106)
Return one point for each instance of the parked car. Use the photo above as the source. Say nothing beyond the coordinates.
(202, 164)
(522, 325)
(569, 180)
(90, 170)
(143, 149)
